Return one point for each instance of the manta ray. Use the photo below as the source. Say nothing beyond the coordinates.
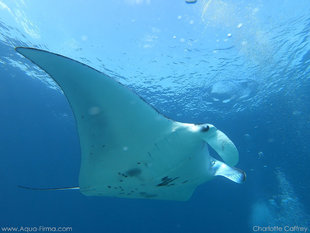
(128, 148)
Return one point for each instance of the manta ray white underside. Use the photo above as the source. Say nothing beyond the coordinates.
(128, 149)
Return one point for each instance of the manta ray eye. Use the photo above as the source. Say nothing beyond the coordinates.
(204, 128)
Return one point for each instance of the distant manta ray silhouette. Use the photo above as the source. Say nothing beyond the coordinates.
(128, 149)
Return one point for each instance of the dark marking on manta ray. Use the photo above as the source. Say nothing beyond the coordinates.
(133, 172)
(185, 181)
(109, 186)
(147, 195)
(138, 163)
(122, 174)
(149, 154)
(166, 181)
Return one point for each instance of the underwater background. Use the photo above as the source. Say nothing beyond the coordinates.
(243, 66)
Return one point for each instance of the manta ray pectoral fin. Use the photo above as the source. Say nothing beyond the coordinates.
(221, 144)
(234, 174)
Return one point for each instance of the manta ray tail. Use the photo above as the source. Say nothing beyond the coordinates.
(48, 189)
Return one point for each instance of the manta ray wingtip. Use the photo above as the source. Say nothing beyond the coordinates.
(19, 48)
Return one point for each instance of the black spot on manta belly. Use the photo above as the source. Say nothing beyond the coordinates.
(133, 172)
(147, 195)
(166, 181)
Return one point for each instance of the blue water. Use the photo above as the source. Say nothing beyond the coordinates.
(242, 66)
